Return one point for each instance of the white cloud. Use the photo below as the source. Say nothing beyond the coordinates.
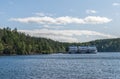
(91, 11)
(52, 27)
(63, 20)
(40, 14)
(116, 4)
(67, 35)
(96, 20)
(43, 14)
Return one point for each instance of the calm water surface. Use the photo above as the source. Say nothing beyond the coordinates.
(61, 66)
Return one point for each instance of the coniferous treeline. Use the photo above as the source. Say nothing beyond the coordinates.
(16, 43)
(13, 42)
(106, 45)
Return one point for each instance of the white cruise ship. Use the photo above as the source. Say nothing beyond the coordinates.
(82, 49)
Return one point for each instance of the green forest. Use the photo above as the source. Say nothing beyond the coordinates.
(16, 43)
(13, 42)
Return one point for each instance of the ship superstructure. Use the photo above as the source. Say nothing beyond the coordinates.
(82, 49)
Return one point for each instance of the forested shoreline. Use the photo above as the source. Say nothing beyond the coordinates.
(16, 43)
(13, 42)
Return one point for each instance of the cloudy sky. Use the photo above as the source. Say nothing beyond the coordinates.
(63, 20)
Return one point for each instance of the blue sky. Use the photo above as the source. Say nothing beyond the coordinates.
(63, 20)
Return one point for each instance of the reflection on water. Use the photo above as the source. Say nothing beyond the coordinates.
(61, 66)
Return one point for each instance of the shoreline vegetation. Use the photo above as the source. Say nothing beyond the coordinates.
(13, 42)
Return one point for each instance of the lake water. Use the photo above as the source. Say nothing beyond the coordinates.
(61, 66)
